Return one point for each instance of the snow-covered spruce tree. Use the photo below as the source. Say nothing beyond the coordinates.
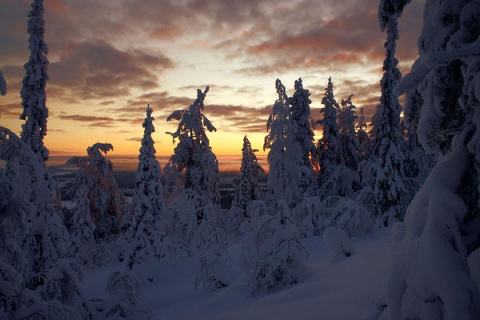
(148, 204)
(302, 136)
(334, 178)
(346, 125)
(430, 275)
(279, 186)
(193, 155)
(36, 281)
(385, 163)
(278, 256)
(107, 202)
(288, 172)
(198, 199)
(3, 85)
(248, 188)
(82, 242)
(35, 112)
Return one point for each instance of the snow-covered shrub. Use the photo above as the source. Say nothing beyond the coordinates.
(277, 253)
(107, 202)
(338, 242)
(122, 293)
(348, 215)
(256, 211)
(430, 277)
(307, 215)
(210, 242)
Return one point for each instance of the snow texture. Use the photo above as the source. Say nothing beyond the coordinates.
(338, 242)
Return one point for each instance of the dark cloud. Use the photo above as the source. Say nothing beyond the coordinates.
(97, 70)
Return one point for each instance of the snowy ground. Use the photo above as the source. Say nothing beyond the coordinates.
(345, 289)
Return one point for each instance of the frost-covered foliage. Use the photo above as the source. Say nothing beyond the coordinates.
(37, 282)
(82, 242)
(3, 85)
(122, 294)
(307, 215)
(34, 98)
(248, 188)
(279, 186)
(338, 242)
(302, 135)
(430, 276)
(148, 205)
(193, 156)
(278, 257)
(348, 215)
(185, 215)
(328, 157)
(30, 182)
(334, 176)
(107, 202)
(347, 136)
(289, 173)
(210, 242)
(385, 163)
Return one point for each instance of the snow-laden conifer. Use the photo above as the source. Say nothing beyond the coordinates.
(34, 269)
(346, 125)
(193, 156)
(34, 98)
(334, 177)
(82, 242)
(107, 202)
(286, 174)
(148, 204)
(302, 136)
(278, 256)
(248, 188)
(385, 163)
(430, 276)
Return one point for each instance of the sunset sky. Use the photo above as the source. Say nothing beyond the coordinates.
(109, 58)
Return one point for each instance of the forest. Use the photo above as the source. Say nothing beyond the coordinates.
(410, 176)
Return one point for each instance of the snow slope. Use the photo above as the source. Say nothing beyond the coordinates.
(345, 289)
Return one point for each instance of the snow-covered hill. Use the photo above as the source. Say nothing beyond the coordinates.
(334, 289)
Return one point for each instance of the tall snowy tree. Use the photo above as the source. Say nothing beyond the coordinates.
(148, 204)
(303, 135)
(442, 223)
(334, 177)
(248, 189)
(385, 163)
(289, 173)
(34, 98)
(193, 156)
(346, 125)
(107, 202)
(37, 282)
(279, 186)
